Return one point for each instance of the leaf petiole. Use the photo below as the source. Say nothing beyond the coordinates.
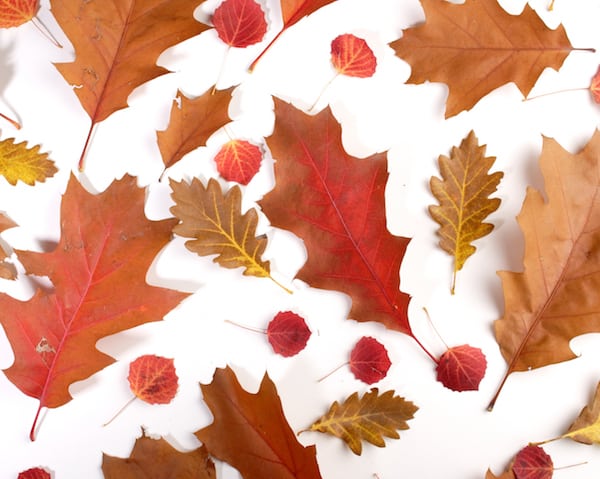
(119, 411)
(14, 123)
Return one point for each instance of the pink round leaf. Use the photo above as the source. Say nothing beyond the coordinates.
(240, 23)
(532, 462)
(239, 161)
(288, 333)
(369, 360)
(34, 473)
(462, 368)
(352, 56)
(153, 379)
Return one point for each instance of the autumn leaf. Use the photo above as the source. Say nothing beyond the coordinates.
(461, 368)
(369, 360)
(117, 44)
(19, 163)
(292, 11)
(34, 473)
(7, 269)
(595, 86)
(556, 297)
(17, 12)
(240, 23)
(157, 459)
(463, 196)
(475, 47)
(288, 333)
(192, 123)
(531, 462)
(239, 161)
(153, 379)
(370, 418)
(98, 272)
(250, 431)
(352, 56)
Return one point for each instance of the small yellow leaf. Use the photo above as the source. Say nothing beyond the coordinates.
(586, 428)
(464, 203)
(17, 162)
(367, 419)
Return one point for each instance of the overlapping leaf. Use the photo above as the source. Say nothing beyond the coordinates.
(240, 23)
(19, 163)
(238, 160)
(531, 462)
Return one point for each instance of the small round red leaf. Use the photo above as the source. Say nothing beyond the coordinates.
(532, 462)
(369, 360)
(153, 379)
(462, 368)
(352, 56)
(240, 23)
(239, 161)
(595, 86)
(34, 473)
(16, 12)
(288, 333)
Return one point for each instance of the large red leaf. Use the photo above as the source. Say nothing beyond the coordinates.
(335, 203)
(98, 270)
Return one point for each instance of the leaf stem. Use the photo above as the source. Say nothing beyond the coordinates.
(249, 328)
(119, 411)
(287, 290)
(541, 443)
(435, 329)
(37, 23)
(85, 146)
(453, 287)
(331, 372)
(253, 64)
(322, 92)
(554, 93)
(35, 423)
(14, 123)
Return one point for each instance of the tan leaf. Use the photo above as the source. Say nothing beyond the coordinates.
(586, 428)
(464, 203)
(369, 418)
(17, 162)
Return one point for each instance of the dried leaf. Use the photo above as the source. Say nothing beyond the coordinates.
(7, 269)
(191, 123)
(461, 368)
(153, 379)
(556, 297)
(595, 86)
(19, 163)
(238, 160)
(475, 47)
(34, 473)
(586, 428)
(250, 431)
(532, 462)
(369, 360)
(370, 418)
(288, 333)
(464, 203)
(98, 270)
(240, 23)
(17, 12)
(157, 459)
(504, 475)
(352, 56)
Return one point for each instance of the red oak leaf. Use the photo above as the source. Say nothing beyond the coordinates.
(240, 23)
(288, 333)
(369, 360)
(153, 379)
(238, 160)
(352, 56)
(532, 462)
(595, 86)
(461, 368)
(34, 473)
(16, 12)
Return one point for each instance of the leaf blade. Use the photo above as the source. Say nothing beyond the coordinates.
(19, 163)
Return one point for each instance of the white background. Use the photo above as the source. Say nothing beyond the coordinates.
(452, 435)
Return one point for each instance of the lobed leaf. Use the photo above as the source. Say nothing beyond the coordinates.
(19, 163)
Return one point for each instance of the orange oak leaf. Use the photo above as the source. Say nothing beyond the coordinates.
(238, 160)
(250, 431)
(7, 269)
(240, 23)
(461, 368)
(556, 297)
(476, 47)
(34, 473)
(192, 122)
(153, 379)
(335, 203)
(157, 459)
(98, 272)
(352, 56)
(117, 43)
(292, 11)
(17, 12)
(369, 360)
(288, 333)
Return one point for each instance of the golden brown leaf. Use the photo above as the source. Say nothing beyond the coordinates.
(557, 296)
(369, 418)
(17, 162)
(505, 475)
(586, 428)
(463, 194)
(477, 46)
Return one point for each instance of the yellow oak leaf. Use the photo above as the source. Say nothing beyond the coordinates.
(369, 418)
(17, 162)
(464, 203)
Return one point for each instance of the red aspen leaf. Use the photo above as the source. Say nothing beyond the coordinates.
(461, 368)
(555, 298)
(288, 333)
(352, 56)
(16, 12)
(240, 23)
(117, 44)
(250, 431)
(157, 459)
(153, 379)
(191, 123)
(238, 160)
(98, 270)
(34, 473)
(476, 47)
(595, 86)
(532, 462)
(369, 360)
